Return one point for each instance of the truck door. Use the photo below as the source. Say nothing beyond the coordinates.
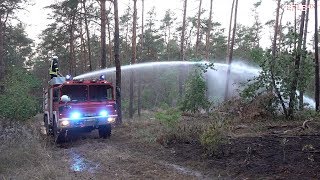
(56, 98)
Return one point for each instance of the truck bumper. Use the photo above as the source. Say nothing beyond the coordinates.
(67, 123)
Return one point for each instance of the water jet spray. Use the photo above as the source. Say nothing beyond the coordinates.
(216, 79)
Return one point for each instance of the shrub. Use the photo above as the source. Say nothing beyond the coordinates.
(195, 98)
(164, 106)
(169, 117)
(214, 137)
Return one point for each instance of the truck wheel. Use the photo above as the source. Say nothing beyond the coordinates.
(105, 131)
(58, 136)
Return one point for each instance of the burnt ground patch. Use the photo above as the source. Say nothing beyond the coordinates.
(268, 156)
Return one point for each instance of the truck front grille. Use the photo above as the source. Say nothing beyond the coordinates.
(89, 114)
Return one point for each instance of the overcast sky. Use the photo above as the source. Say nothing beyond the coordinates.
(36, 16)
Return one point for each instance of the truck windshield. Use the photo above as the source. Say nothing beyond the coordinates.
(100, 92)
(77, 93)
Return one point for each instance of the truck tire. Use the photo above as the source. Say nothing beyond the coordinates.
(58, 136)
(105, 131)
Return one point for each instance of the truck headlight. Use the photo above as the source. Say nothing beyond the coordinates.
(75, 115)
(103, 113)
(111, 119)
(65, 123)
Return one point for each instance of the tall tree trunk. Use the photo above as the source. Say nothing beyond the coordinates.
(88, 34)
(168, 49)
(134, 56)
(198, 28)
(209, 32)
(141, 55)
(273, 60)
(280, 31)
(117, 61)
(229, 34)
(183, 30)
(294, 82)
(72, 67)
(2, 64)
(110, 42)
(83, 58)
(316, 55)
(182, 46)
(295, 29)
(126, 52)
(231, 52)
(303, 57)
(103, 34)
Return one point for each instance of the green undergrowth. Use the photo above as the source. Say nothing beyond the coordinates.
(19, 100)
(208, 130)
(169, 118)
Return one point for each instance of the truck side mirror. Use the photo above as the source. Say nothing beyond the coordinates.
(65, 98)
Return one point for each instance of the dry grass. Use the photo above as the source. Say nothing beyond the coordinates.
(28, 154)
(25, 154)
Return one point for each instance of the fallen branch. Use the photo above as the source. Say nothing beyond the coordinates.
(304, 125)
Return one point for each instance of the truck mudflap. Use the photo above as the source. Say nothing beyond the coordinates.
(67, 123)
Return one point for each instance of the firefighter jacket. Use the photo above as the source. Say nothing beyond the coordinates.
(54, 68)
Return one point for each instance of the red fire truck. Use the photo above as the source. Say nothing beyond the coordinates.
(78, 105)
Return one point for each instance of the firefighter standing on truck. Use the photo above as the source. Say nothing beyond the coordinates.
(54, 67)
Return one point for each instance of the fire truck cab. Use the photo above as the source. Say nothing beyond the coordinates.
(78, 105)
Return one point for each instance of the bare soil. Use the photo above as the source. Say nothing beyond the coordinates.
(279, 150)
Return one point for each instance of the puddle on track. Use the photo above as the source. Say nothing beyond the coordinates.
(185, 170)
(80, 164)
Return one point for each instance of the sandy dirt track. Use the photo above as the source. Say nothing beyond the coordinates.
(118, 157)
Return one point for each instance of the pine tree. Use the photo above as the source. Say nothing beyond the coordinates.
(103, 34)
(117, 61)
(141, 52)
(296, 71)
(316, 58)
(182, 41)
(209, 31)
(302, 83)
(231, 51)
(134, 56)
(198, 28)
